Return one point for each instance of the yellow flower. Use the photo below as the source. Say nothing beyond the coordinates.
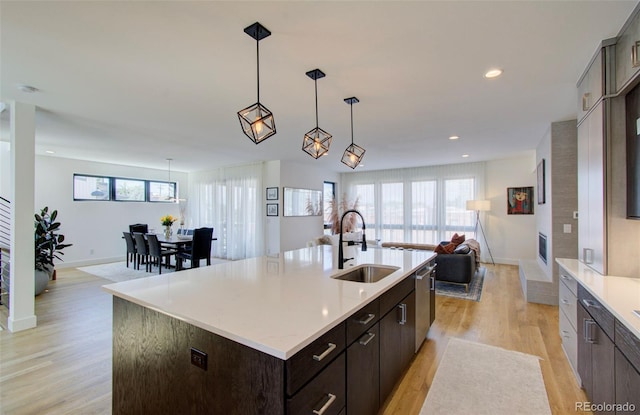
(167, 220)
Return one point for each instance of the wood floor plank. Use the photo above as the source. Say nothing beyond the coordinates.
(63, 366)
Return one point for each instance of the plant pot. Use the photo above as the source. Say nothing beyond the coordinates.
(41, 280)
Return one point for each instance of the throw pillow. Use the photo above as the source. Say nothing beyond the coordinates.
(457, 239)
(445, 249)
(462, 249)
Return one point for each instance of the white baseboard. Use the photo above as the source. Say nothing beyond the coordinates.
(84, 263)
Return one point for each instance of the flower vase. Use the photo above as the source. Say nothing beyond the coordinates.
(167, 232)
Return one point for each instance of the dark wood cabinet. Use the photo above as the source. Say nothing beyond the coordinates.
(595, 350)
(397, 343)
(627, 383)
(325, 394)
(363, 373)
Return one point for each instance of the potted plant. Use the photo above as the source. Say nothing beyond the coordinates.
(48, 246)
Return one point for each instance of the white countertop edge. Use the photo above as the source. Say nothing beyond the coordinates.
(571, 265)
(385, 285)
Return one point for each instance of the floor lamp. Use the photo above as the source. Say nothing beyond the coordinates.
(480, 206)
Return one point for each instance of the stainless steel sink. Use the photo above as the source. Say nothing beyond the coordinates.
(366, 273)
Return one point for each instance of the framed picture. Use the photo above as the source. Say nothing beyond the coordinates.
(520, 200)
(541, 187)
(272, 193)
(272, 209)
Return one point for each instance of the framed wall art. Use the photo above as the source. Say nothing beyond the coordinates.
(272, 209)
(272, 193)
(520, 200)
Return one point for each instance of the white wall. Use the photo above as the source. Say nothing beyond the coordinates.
(295, 232)
(95, 227)
(5, 169)
(510, 237)
(543, 212)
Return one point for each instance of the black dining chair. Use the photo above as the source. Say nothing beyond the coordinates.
(200, 249)
(132, 252)
(143, 251)
(156, 253)
(139, 227)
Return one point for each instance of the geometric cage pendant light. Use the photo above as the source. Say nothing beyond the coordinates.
(353, 154)
(317, 141)
(256, 120)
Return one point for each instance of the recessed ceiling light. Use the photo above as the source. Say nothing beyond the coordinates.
(493, 73)
(50, 152)
(27, 88)
(453, 137)
(465, 156)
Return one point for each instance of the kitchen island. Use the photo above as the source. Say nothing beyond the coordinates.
(263, 335)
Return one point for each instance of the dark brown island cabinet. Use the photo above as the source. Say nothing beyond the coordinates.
(163, 365)
(608, 358)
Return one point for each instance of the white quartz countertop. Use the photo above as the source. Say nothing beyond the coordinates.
(275, 304)
(620, 295)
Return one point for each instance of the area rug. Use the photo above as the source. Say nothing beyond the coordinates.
(475, 378)
(118, 271)
(458, 290)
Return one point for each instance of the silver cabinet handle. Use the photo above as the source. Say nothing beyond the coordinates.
(635, 62)
(590, 303)
(366, 341)
(566, 277)
(565, 334)
(433, 283)
(403, 315)
(367, 319)
(588, 323)
(587, 255)
(326, 405)
(325, 353)
(585, 101)
(564, 301)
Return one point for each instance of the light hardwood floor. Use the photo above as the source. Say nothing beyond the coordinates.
(64, 365)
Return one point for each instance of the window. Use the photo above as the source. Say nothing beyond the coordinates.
(366, 205)
(392, 212)
(162, 192)
(458, 218)
(329, 193)
(424, 212)
(86, 187)
(91, 187)
(130, 190)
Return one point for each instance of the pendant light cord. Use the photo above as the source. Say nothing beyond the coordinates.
(351, 105)
(316, 82)
(258, 66)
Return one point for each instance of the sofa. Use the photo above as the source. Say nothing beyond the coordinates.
(458, 267)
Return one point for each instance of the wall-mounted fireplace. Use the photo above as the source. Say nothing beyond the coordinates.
(542, 247)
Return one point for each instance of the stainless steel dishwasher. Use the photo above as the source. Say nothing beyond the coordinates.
(425, 300)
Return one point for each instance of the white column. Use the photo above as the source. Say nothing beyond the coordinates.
(22, 302)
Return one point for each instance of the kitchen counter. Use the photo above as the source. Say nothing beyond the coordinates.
(274, 304)
(620, 295)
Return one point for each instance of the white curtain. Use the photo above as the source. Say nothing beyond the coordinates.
(420, 204)
(229, 200)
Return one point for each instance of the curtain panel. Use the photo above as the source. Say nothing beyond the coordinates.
(230, 200)
(419, 204)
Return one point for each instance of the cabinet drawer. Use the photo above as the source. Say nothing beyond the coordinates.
(392, 297)
(307, 362)
(568, 302)
(627, 53)
(569, 281)
(569, 341)
(362, 320)
(590, 86)
(598, 312)
(327, 390)
(628, 344)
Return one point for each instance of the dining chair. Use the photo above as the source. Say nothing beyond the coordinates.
(156, 253)
(200, 249)
(143, 251)
(139, 227)
(132, 252)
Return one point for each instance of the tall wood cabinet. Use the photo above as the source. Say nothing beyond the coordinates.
(592, 136)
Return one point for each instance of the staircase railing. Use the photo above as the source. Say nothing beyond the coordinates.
(5, 250)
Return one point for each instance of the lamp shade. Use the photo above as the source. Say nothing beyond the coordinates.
(480, 205)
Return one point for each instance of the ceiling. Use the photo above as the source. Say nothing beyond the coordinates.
(137, 82)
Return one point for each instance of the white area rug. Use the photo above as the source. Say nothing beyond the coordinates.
(475, 378)
(118, 271)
